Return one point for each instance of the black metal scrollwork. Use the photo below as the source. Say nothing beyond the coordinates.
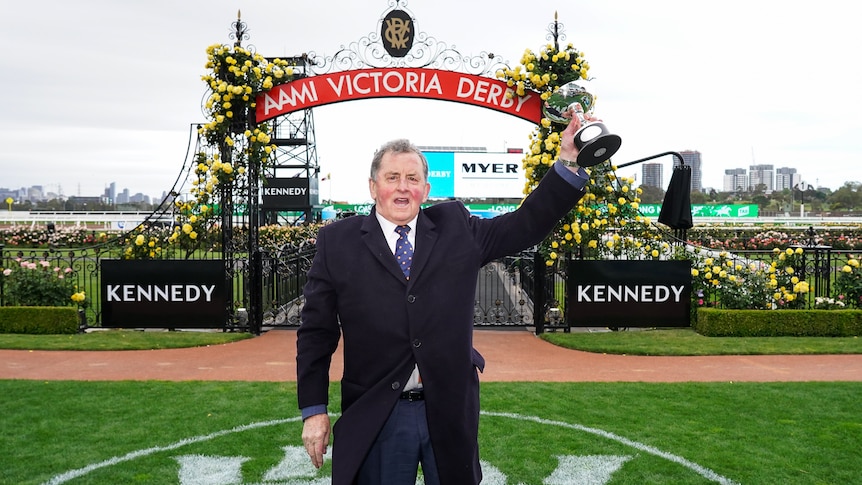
(426, 52)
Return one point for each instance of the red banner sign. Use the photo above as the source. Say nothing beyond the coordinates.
(454, 86)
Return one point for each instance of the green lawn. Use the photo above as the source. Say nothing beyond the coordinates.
(687, 342)
(119, 340)
(688, 433)
(681, 433)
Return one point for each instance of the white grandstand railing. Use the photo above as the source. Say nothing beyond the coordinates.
(81, 217)
(780, 221)
(105, 219)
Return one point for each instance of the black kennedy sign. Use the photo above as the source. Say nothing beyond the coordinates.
(290, 193)
(629, 293)
(163, 294)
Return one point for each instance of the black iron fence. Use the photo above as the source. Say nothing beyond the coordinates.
(517, 291)
(504, 293)
(284, 275)
(818, 265)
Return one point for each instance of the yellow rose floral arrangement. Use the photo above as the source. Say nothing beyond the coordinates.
(720, 278)
(606, 222)
(230, 142)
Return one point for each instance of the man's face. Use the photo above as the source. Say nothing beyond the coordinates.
(400, 187)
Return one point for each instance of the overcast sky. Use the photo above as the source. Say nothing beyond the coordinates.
(101, 91)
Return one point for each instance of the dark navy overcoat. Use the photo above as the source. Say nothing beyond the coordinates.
(355, 290)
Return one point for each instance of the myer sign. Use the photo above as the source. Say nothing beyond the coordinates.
(629, 293)
(475, 175)
(290, 193)
(163, 294)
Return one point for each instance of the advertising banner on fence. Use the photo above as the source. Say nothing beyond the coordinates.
(708, 210)
(629, 293)
(163, 294)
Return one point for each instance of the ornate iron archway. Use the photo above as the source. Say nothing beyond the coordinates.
(395, 60)
(264, 283)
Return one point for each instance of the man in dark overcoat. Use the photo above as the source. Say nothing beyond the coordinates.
(410, 388)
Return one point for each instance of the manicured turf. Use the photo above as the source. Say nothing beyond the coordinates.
(119, 340)
(156, 432)
(687, 342)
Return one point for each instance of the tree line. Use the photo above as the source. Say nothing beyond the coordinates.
(818, 201)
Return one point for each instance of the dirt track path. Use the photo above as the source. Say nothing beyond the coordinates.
(510, 356)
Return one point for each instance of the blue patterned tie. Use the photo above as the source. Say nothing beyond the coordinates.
(403, 250)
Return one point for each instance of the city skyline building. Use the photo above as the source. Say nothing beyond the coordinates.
(652, 175)
(786, 178)
(735, 180)
(111, 192)
(761, 175)
(110, 196)
(692, 158)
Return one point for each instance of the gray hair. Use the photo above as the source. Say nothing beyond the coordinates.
(397, 146)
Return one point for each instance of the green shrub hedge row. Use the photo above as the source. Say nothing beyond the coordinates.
(38, 320)
(713, 322)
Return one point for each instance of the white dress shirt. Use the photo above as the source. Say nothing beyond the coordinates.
(415, 380)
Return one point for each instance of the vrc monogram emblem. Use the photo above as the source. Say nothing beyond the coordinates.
(397, 33)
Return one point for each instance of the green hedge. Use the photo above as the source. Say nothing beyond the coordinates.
(38, 320)
(778, 323)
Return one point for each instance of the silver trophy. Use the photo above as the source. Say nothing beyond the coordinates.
(595, 144)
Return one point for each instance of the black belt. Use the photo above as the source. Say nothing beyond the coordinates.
(414, 395)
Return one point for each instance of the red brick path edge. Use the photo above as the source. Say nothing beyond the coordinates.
(509, 355)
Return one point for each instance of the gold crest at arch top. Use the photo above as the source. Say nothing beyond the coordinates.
(396, 32)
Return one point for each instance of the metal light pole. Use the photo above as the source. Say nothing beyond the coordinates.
(802, 187)
(802, 201)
